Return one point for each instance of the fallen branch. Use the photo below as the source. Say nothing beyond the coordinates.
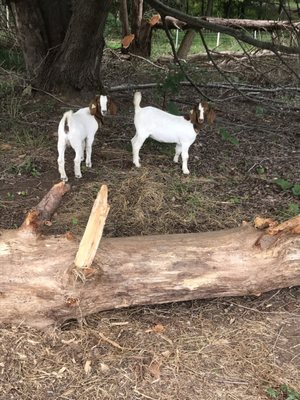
(41, 286)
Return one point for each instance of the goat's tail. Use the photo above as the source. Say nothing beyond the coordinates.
(137, 100)
(66, 120)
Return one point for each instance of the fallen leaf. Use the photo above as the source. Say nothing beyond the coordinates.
(87, 367)
(69, 236)
(154, 368)
(104, 368)
(159, 328)
(166, 353)
(88, 272)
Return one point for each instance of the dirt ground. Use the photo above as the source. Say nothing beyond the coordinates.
(229, 348)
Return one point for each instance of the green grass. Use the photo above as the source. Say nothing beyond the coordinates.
(161, 45)
(12, 60)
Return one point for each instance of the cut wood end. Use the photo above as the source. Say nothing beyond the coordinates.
(127, 40)
(61, 187)
(155, 19)
(93, 231)
(41, 214)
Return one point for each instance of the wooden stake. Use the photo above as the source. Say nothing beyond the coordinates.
(93, 231)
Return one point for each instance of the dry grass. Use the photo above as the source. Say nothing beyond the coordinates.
(217, 349)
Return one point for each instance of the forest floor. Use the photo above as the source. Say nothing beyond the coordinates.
(246, 164)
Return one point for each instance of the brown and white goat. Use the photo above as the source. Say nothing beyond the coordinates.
(168, 128)
(78, 130)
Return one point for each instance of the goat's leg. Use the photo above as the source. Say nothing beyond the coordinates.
(61, 161)
(137, 142)
(83, 148)
(178, 150)
(88, 149)
(77, 162)
(185, 157)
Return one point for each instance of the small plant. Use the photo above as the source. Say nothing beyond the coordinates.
(293, 210)
(28, 167)
(74, 221)
(228, 137)
(235, 200)
(259, 111)
(287, 185)
(171, 85)
(296, 189)
(260, 170)
(23, 193)
(284, 392)
(10, 196)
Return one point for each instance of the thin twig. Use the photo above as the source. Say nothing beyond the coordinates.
(148, 61)
(178, 61)
(217, 67)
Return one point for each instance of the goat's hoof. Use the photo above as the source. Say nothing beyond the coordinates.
(64, 179)
(78, 176)
(186, 172)
(88, 165)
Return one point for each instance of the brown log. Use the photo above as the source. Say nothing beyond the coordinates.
(40, 286)
(266, 25)
(43, 212)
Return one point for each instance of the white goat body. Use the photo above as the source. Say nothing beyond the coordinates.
(77, 130)
(164, 127)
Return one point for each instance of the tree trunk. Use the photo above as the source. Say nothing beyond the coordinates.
(40, 284)
(124, 18)
(186, 44)
(142, 30)
(77, 62)
(31, 33)
(62, 49)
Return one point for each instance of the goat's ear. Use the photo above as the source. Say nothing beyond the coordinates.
(211, 116)
(112, 106)
(93, 106)
(193, 115)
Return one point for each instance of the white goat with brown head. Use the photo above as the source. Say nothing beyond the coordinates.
(168, 128)
(78, 130)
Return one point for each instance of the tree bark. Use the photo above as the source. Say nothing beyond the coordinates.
(186, 44)
(62, 46)
(31, 33)
(77, 62)
(40, 286)
(124, 18)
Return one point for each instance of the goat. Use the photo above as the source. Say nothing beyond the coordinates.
(78, 130)
(164, 127)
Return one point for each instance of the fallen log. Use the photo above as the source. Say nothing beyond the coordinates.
(40, 285)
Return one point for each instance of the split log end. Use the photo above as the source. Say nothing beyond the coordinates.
(93, 231)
